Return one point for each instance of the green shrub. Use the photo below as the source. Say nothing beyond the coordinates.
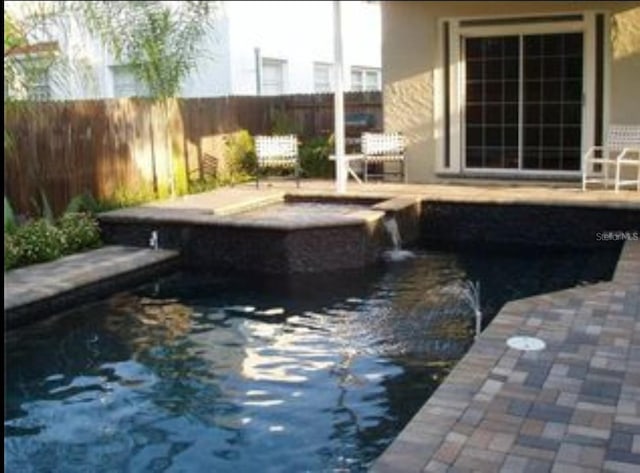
(240, 156)
(80, 232)
(180, 173)
(128, 196)
(84, 202)
(39, 241)
(314, 157)
(204, 185)
(12, 251)
(10, 222)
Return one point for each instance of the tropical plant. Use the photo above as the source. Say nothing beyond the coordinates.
(84, 202)
(240, 156)
(10, 222)
(43, 208)
(314, 157)
(32, 61)
(159, 42)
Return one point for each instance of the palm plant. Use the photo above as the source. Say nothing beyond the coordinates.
(159, 41)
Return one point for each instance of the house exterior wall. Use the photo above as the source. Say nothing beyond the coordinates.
(625, 68)
(410, 57)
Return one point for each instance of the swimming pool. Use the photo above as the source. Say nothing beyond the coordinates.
(196, 372)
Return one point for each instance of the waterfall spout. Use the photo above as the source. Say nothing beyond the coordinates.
(391, 225)
(396, 253)
(153, 240)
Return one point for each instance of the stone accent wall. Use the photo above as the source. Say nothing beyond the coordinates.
(264, 250)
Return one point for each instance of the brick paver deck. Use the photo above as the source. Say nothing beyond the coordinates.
(572, 407)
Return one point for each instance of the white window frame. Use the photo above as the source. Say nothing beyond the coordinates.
(362, 71)
(456, 88)
(38, 86)
(282, 64)
(320, 87)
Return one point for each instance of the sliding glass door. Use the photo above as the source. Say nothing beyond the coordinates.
(523, 102)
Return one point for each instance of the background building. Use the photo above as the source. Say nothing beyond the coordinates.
(257, 48)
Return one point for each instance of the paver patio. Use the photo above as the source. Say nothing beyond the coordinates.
(572, 407)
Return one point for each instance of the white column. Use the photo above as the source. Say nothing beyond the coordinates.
(338, 101)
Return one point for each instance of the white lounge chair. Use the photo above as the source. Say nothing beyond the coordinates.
(384, 148)
(277, 152)
(621, 151)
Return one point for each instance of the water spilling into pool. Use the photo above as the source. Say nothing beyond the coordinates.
(396, 253)
(317, 373)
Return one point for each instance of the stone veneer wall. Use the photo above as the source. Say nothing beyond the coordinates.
(345, 245)
(266, 250)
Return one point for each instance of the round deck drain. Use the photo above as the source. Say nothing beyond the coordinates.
(526, 343)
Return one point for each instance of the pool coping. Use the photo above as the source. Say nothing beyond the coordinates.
(570, 407)
(232, 216)
(38, 291)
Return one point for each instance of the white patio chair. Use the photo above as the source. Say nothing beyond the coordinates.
(384, 148)
(277, 152)
(621, 151)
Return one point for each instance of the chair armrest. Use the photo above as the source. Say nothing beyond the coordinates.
(593, 149)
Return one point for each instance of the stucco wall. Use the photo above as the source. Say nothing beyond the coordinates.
(625, 67)
(410, 54)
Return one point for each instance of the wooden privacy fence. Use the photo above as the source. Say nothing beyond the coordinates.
(131, 146)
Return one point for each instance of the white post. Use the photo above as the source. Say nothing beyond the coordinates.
(338, 101)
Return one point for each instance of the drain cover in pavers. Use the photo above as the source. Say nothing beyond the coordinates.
(526, 343)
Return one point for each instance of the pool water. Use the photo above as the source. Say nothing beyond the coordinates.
(302, 213)
(202, 373)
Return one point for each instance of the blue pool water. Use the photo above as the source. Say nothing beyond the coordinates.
(179, 376)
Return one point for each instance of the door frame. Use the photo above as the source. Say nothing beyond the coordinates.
(449, 131)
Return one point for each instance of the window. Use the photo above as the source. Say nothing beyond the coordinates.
(28, 70)
(126, 84)
(364, 79)
(273, 75)
(30, 82)
(519, 97)
(529, 121)
(40, 85)
(322, 77)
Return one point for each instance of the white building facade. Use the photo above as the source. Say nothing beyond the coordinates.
(257, 48)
